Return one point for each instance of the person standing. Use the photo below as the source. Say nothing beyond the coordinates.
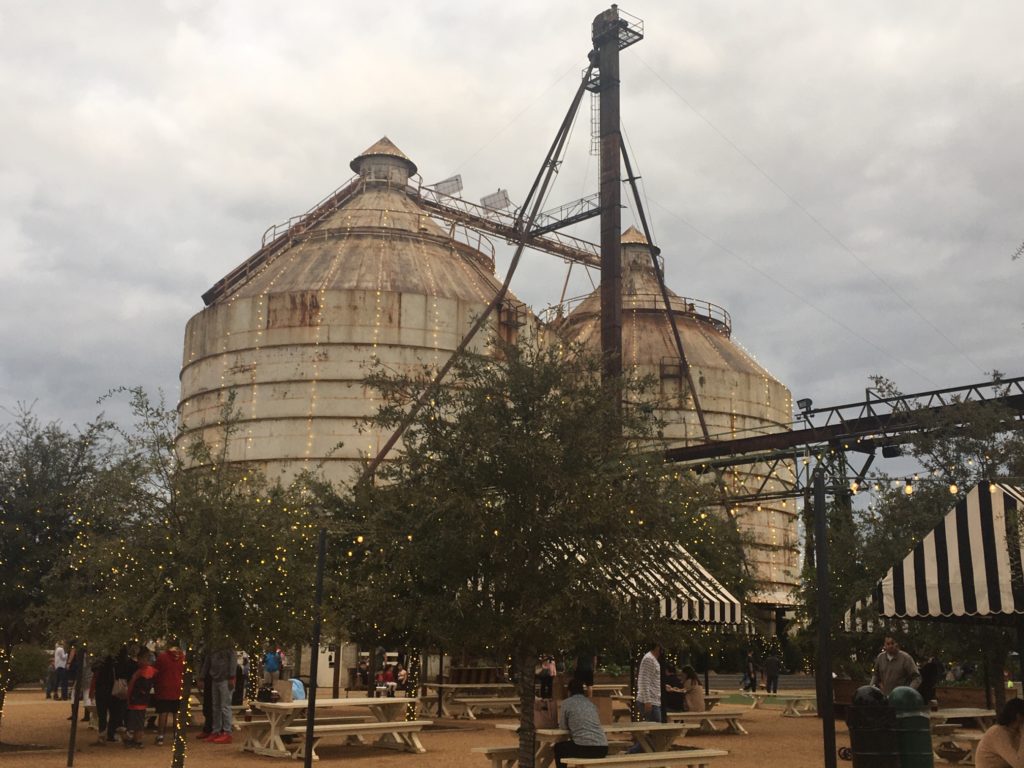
(894, 668)
(750, 672)
(673, 698)
(772, 667)
(60, 665)
(220, 664)
(170, 673)
(648, 689)
(102, 683)
(140, 691)
(548, 672)
(124, 668)
(271, 665)
(578, 716)
(931, 673)
(693, 690)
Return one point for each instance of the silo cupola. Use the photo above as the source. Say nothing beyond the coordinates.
(636, 251)
(384, 162)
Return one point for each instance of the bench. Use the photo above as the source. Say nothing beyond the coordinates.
(397, 734)
(500, 757)
(728, 718)
(683, 758)
(476, 705)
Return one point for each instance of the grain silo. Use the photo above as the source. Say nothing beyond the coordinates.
(738, 397)
(366, 275)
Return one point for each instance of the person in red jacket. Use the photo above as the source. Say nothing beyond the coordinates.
(170, 671)
(140, 690)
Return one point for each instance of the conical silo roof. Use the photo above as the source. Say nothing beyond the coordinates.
(368, 276)
(384, 147)
(380, 239)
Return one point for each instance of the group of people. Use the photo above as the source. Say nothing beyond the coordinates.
(388, 679)
(768, 669)
(123, 686)
(660, 688)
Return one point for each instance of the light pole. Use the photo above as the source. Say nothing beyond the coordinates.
(314, 661)
(824, 665)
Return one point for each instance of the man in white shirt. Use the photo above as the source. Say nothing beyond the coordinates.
(648, 688)
(60, 664)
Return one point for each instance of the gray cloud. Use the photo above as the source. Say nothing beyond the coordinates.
(147, 146)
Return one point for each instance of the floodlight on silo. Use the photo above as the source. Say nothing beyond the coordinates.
(450, 186)
(497, 201)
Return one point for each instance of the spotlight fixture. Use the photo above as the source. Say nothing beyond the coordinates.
(891, 451)
(804, 404)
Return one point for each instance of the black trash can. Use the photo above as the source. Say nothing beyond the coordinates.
(873, 738)
(913, 728)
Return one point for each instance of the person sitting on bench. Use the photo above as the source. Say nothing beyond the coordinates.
(578, 716)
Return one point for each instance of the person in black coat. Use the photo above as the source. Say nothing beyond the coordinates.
(103, 682)
(931, 673)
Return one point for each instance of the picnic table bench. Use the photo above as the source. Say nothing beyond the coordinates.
(728, 720)
(795, 703)
(399, 734)
(475, 705)
(500, 757)
(684, 758)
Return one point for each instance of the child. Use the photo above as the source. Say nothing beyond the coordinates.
(140, 690)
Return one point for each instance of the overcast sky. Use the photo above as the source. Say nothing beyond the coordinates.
(845, 178)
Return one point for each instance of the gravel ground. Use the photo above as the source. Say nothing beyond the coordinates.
(28, 718)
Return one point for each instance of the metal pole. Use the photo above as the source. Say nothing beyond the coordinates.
(606, 45)
(1020, 656)
(314, 661)
(824, 668)
(83, 659)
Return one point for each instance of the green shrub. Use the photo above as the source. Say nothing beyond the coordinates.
(30, 664)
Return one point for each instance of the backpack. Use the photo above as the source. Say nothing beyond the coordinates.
(272, 662)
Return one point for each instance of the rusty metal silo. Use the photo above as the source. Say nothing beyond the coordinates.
(738, 396)
(366, 275)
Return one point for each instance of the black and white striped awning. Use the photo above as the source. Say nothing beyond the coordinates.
(685, 591)
(969, 566)
(863, 619)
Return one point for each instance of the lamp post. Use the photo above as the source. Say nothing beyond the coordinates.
(824, 666)
(314, 661)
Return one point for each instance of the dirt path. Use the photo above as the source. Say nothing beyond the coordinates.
(774, 741)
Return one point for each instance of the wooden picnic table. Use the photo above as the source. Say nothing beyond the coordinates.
(474, 705)
(612, 688)
(652, 737)
(282, 715)
(795, 703)
(450, 691)
(982, 718)
(705, 721)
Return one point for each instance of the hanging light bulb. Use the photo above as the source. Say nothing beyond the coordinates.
(854, 487)
(953, 489)
(908, 488)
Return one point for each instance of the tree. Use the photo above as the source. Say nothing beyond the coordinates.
(955, 448)
(48, 474)
(201, 550)
(517, 512)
